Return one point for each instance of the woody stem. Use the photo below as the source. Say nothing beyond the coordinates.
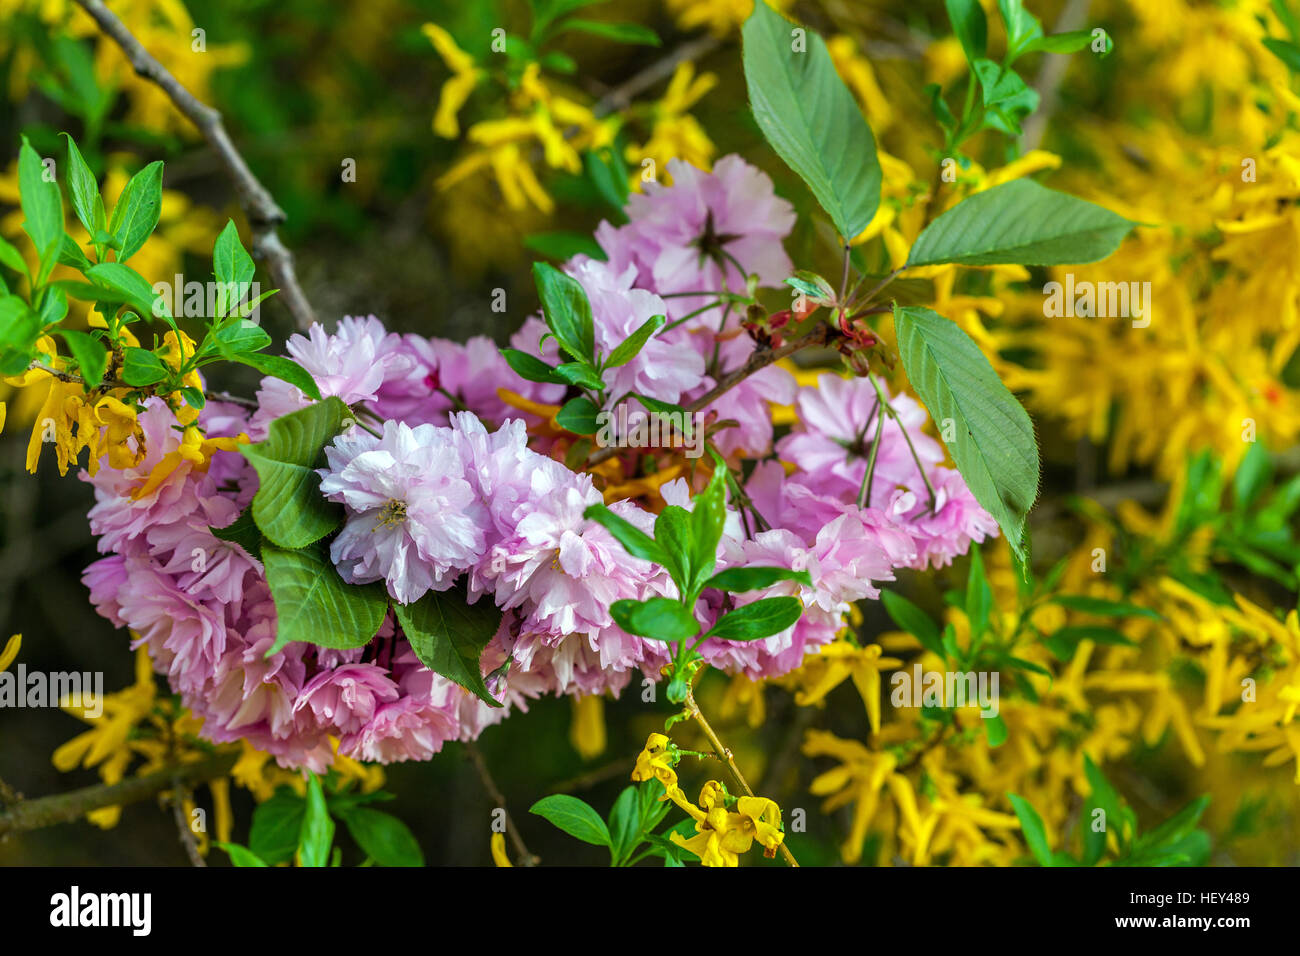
(724, 755)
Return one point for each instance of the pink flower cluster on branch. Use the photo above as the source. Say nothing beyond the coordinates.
(458, 487)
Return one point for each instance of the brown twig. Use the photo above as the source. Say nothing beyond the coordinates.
(759, 359)
(724, 755)
(72, 806)
(264, 215)
(526, 858)
(180, 794)
(623, 94)
(1048, 82)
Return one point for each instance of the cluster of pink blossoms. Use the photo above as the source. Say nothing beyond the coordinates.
(444, 496)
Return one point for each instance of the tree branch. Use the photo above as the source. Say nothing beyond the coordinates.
(72, 806)
(759, 359)
(264, 215)
(526, 858)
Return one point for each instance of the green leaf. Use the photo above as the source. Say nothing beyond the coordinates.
(708, 517)
(1288, 53)
(136, 213)
(618, 32)
(564, 245)
(913, 620)
(240, 856)
(674, 536)
(11, 257)
(316, 606)
(812, 285)
(288, 506)
(631, 346)
(244, 532)
(970, 26)
(1176, 828)
(239, 337)
(624, 825)
(277, 826)
(141, 367)
(385, 839)
(1031, 825)
(659, 618)
(994, 447)
(1103, 795)
(753, 622)
(574, 817)
(1023, 27)
(54, 308)
(995, 731)
(282, 368)
(42, 204)
(811, 119)
(580, 374)
(1007, 98)
(448, 635)
(133, 288)
(1071, 42)
(231, 263)
(979, 596)
(317, 835)
(1020, 222)
(1101, 606)
(608, 174)
(567, 311)
(1063, 642)
(635, 541)
(755, 578)
(530, 368)
(579, 416)
(89, 353)
(70, 254)
(1253, 475)
(84, 189)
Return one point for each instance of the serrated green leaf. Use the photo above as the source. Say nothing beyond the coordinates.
(448, 635)
(288, 506)
(994, 446)
(316, 606)
(285, 369)
(1020, 222)
(244, 532)
(811, 119)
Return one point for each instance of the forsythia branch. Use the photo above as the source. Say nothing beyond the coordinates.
(264, 215)
(724, 755)
(72, 806)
